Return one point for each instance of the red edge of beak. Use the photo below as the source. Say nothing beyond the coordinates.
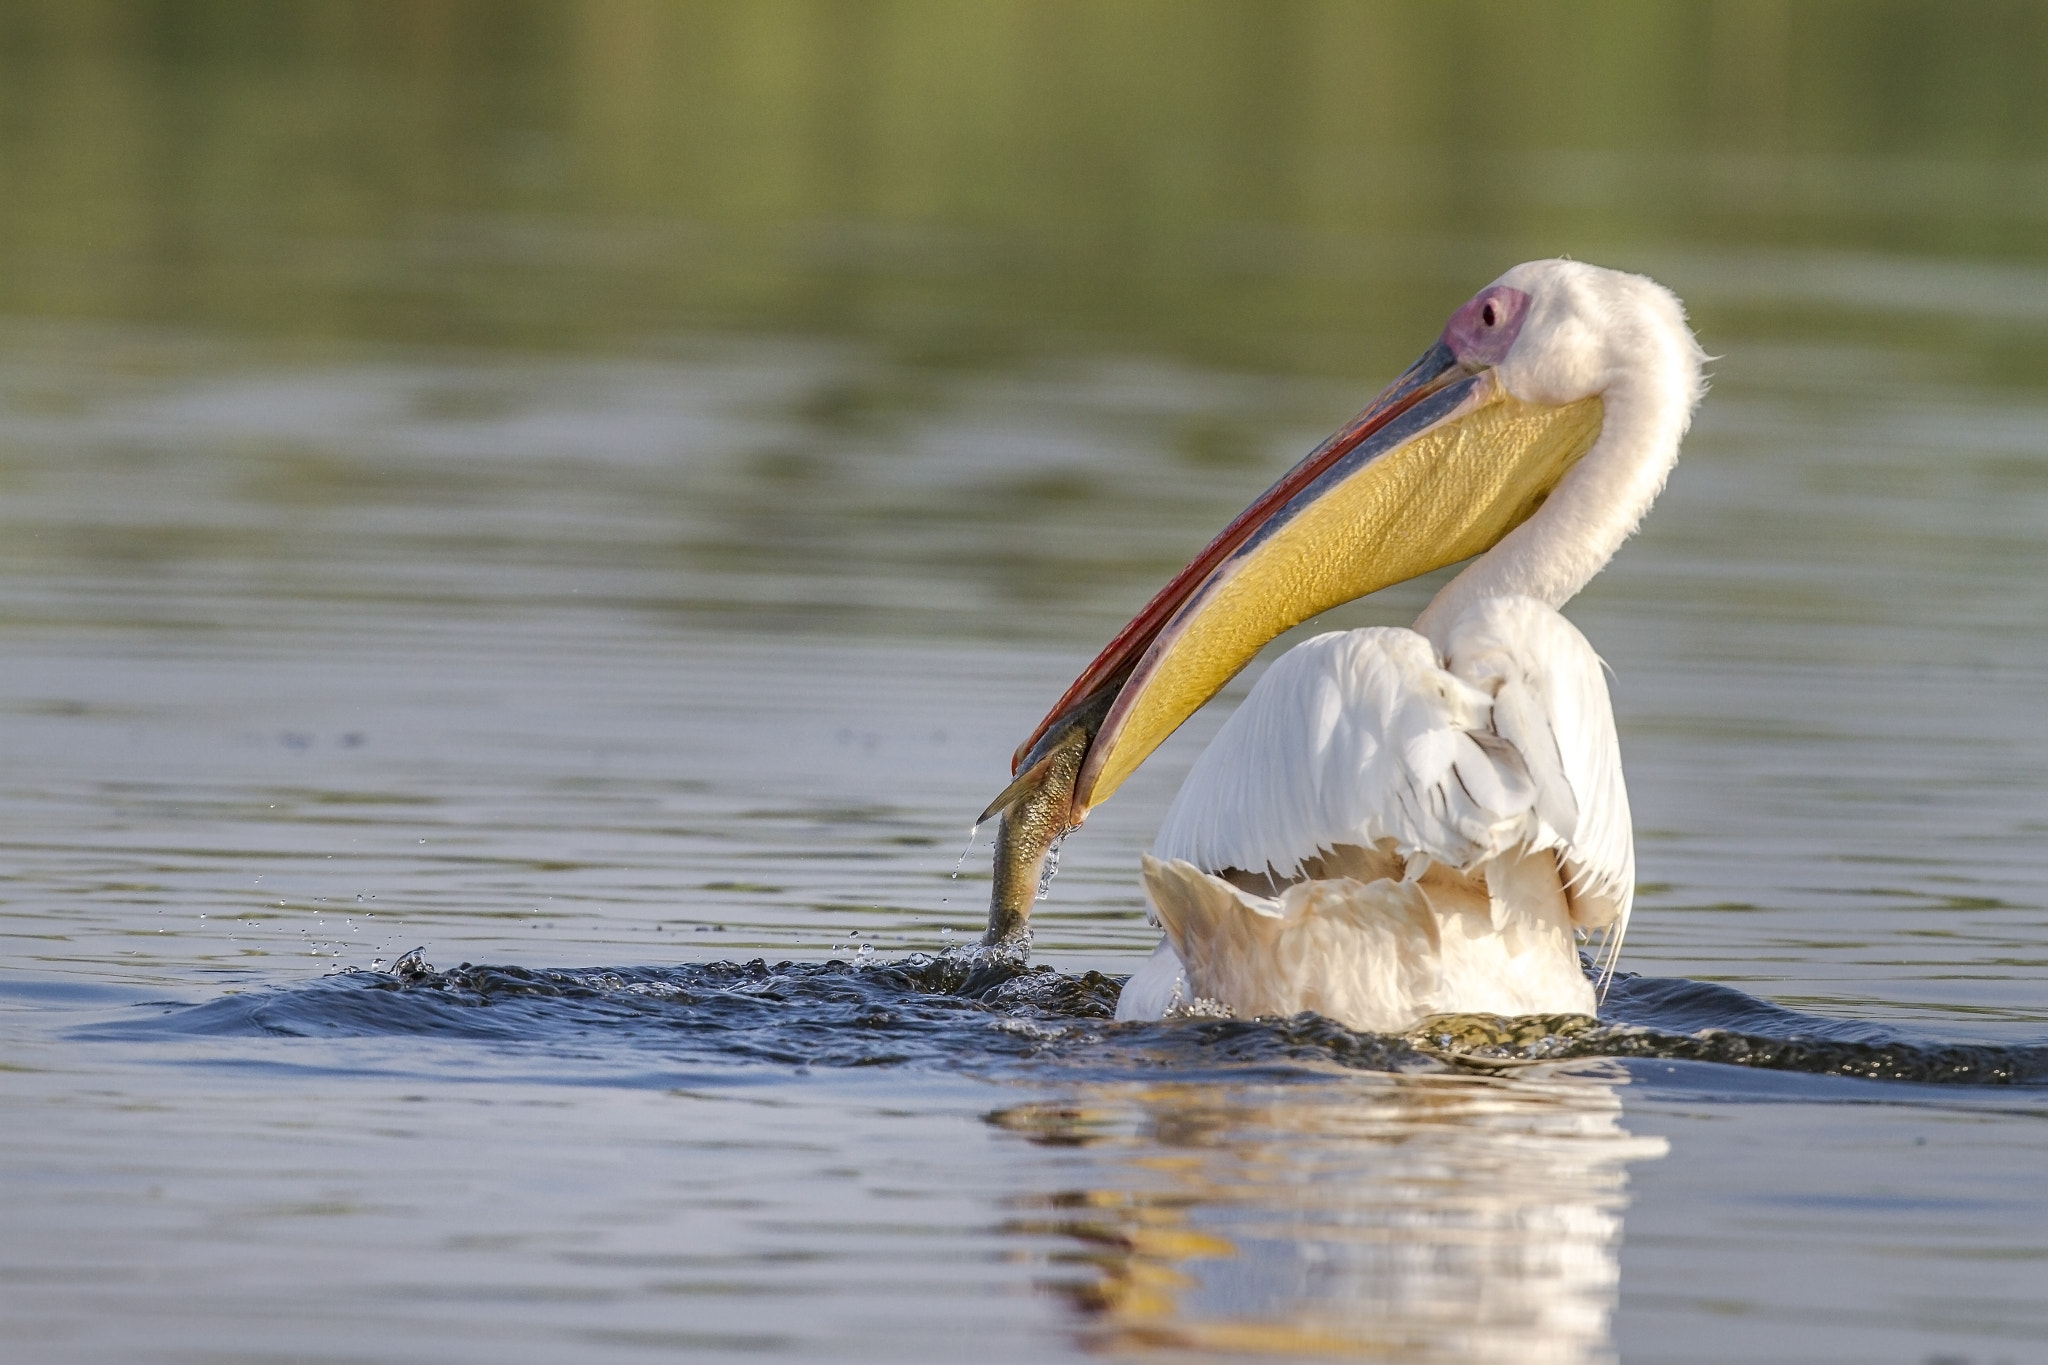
(1436, 368)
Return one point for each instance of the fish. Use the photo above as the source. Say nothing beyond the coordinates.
(1037, 811)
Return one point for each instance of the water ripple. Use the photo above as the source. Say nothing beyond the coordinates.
(940, 1012)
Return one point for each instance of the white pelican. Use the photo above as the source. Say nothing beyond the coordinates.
(1397, 823)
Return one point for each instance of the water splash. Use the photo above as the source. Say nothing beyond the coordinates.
(1050, 868)
(960, 863)
(947, 1011)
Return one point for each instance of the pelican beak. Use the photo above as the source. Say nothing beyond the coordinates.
(1437, 469)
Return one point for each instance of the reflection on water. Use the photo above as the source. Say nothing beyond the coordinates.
(1416, 1218)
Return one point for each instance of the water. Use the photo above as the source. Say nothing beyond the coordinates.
(599, 500)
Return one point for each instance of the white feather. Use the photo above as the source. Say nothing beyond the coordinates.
(1158, 986)
(1550, 702)
(1494, 777)
(1360, 737)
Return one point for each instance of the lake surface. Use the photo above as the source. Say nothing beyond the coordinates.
(476, 499)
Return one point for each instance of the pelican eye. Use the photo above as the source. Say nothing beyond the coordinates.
(1487, 315)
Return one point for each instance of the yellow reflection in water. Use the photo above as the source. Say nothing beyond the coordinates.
(1414, 1218)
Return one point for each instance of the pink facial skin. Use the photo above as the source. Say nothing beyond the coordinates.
(1481, 331)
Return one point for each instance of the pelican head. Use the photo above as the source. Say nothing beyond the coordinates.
(1533, 434)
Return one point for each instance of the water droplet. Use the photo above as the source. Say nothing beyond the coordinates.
(1051, 868)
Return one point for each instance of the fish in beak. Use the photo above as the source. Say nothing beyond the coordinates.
(1437, 469)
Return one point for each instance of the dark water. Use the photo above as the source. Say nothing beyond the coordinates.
(946, 1012)
(599, 489)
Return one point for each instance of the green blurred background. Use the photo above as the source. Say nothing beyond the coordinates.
(1291, 187)
(945, 319)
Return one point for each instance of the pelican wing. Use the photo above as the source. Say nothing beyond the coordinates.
(1550, 702)
(1353, 739)
(1364, 738)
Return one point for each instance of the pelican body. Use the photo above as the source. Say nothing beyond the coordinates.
(1397, 823)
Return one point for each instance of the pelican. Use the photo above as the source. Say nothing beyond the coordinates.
(1396, 823)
